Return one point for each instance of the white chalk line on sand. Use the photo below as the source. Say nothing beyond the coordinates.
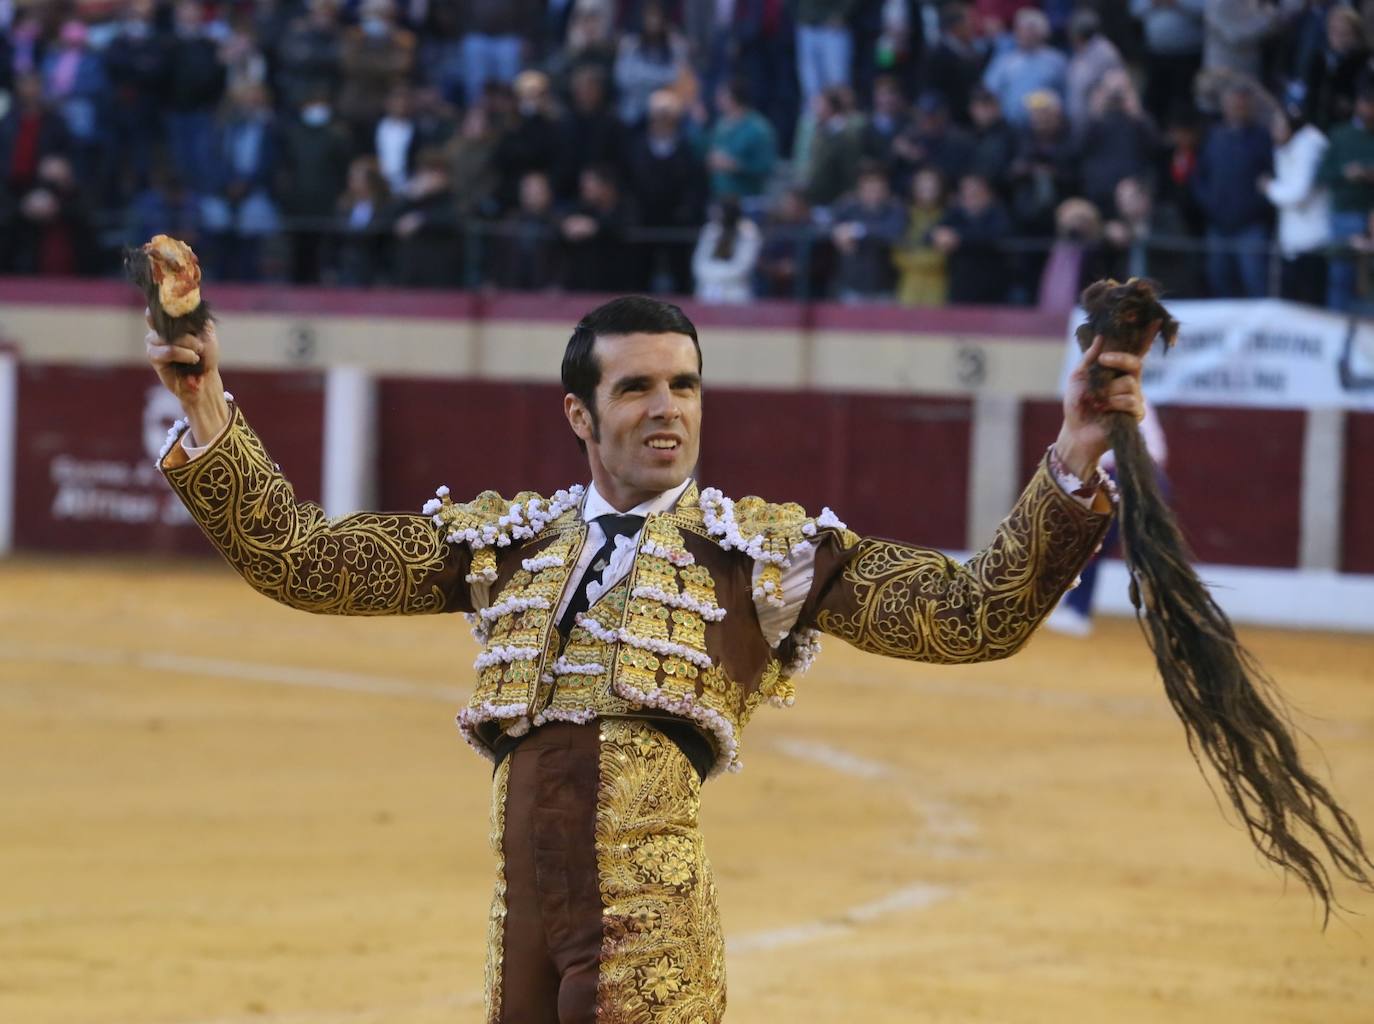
(245, 671)
(914, 896)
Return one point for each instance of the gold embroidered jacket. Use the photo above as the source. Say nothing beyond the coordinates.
(680, 635)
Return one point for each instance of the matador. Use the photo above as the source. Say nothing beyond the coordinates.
(629, 629)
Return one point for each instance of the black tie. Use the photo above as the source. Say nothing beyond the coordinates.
(612, 526)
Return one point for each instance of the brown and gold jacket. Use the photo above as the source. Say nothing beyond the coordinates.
(680, 635)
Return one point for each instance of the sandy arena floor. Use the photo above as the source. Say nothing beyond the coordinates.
(218, 811)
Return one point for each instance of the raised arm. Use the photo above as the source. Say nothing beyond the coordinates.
(362, 564)
(911, 602)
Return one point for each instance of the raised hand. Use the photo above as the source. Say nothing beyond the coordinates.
(201, 393)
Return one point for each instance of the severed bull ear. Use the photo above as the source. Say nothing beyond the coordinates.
(1233, 715)
(167, 272)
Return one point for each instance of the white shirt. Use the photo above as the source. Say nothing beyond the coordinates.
(1304, 209)
(775, 621)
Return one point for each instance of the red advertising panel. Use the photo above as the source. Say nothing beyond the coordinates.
(897, 467)
(473, 436)
(88, 437)
(1358, 546)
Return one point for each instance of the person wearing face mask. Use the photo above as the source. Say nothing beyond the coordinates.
(377, 55)
(315, 148)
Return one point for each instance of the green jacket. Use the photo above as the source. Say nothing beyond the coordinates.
(1350, 143)
(750, 140)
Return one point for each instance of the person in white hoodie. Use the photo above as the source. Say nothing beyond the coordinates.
(1302, 204)
(727, 251)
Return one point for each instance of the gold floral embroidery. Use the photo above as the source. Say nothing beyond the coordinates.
(662, 956)
(496, 923)
(363, 564)
(910, 602)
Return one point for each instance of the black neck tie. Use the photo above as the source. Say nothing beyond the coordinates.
(612, 526)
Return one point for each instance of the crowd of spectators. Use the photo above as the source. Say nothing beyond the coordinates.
(994, 151)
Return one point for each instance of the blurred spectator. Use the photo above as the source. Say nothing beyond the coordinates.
(595, 257)
(75, 84)
(825, 45)
(740, 147)
(362, 210)
(789, 267)
(725, 255)
(53, 233)
(528, 249)
(436, 122)
(970, 235)
(668, 182)
(1175, 186)
(496, 33)
(653, 59)
(29, 132)
(1304, 209)
(867, 224)
(1173, 52)
(1045, 170)
(427, 228)
(309, 56)
(1235, 156)
(1328, 89)
(1093, 57)
(136, 62)
(1148, 239)
(532, 144)
(589, 132)
(922, 278)
(1118, 141)
(472, 162)
(1032, 65)
(590, 41)
(195, 84)
(376, 56)
(995, 141)
(166, 206)
(315, 150)
(1347, 170)
(395, 141)
(242, 57)
(889, 117)
(955, 65)
(1235, 32)
(998, 16)
(1076, 259)
(440, 30)
(832, 144)
(756, 40)
(931, 140)
(239, 213)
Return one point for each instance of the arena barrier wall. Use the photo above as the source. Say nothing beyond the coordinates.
(914, 424)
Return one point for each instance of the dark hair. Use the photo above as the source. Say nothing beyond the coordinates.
(737, 88)
(729, 228)
(630, 314)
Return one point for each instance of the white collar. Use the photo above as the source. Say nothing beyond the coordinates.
(596, 506)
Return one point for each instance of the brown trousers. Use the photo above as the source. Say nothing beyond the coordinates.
(604, 907)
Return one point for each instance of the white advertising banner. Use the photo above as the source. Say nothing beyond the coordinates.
(1265, 353)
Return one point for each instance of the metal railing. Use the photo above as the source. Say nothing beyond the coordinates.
(509, 255)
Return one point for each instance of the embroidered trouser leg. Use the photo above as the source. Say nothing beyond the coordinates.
(605, 909)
